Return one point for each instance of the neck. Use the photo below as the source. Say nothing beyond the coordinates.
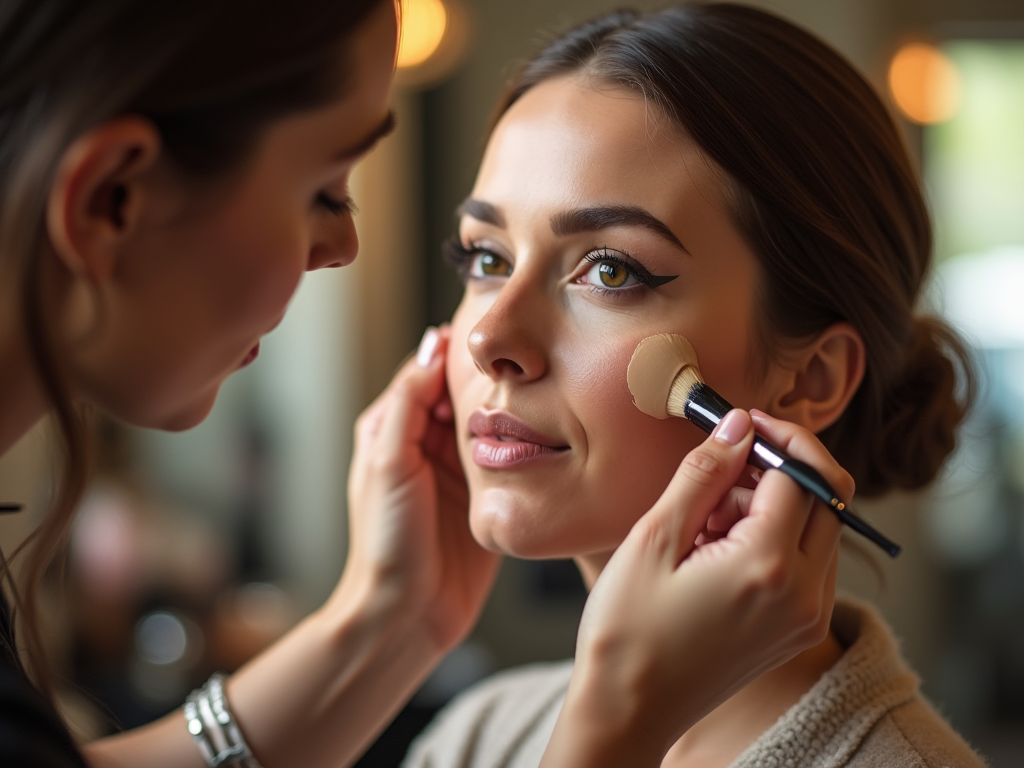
(22, 401)
(718, 739)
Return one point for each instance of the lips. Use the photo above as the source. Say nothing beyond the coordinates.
(255, 351)
(249, 358)
(501, 441)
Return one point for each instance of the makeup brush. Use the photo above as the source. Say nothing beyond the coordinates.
(665, 380)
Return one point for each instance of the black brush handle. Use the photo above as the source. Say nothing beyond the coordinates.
(809, 478)
(6, 509)
(705, 408)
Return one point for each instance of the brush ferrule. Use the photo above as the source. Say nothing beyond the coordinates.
(705, 407)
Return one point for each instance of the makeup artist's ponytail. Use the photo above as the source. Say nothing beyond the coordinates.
(822, 189)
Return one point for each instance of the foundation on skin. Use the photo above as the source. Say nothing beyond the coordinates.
(656, 363)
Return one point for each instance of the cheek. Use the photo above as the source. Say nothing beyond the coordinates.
(728, 362)
(630, 457)
(257, 266)
(196, 309)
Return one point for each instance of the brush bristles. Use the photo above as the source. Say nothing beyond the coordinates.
(682, 387)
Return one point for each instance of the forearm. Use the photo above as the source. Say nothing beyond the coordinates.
(316, 698)
(596, 729)
(413, 586)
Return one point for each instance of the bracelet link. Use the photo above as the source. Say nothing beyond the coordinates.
(212, 727)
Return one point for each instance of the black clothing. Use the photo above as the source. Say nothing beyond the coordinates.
(32, 735)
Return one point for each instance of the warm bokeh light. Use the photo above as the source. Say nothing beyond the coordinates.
(423, 27)
(924, 83)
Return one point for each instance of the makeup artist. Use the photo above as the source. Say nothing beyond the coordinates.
(168, 172)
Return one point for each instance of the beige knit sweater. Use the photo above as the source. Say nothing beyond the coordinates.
(864, 712)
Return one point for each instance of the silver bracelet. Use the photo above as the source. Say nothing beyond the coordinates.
(213, 728)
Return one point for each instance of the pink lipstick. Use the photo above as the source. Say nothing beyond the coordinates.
(501, 441)
(249, 358)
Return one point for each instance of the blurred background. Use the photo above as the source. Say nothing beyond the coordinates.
(194, 551)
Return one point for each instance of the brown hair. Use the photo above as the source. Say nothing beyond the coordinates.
(823, 190)
(210, 74)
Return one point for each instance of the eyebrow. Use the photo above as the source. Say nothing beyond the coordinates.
(606, 216)
(481, 211)
(365, 144)
(579, 219)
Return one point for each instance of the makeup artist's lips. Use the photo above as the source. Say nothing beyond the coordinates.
(249, 358)
(501, 441)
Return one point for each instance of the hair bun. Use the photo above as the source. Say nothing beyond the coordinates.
(906, 443)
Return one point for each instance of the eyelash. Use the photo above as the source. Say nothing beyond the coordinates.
(638, 271)
(460, 258)
(334, 206)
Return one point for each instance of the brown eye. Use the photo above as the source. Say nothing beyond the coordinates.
(612, 275)
(487, 264)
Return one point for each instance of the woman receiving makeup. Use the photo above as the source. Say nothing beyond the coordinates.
(713, 172)
(168, 173)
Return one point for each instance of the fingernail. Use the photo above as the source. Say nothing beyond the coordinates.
(732, 428)
(428, 345)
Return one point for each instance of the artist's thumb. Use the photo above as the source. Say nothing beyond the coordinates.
(704, 477)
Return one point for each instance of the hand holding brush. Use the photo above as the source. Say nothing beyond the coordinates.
(665, 380)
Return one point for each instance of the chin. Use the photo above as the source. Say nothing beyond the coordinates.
(169, 418)
(502, 522)
(192, 416)
(183, 422)
(180, 418)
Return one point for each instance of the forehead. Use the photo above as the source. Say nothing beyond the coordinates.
(570, 141)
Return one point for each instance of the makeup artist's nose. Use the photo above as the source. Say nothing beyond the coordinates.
(506, 343)
(335, 243)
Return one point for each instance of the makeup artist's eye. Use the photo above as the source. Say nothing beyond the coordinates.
(334, 205)
(476, 261)
(616, 271)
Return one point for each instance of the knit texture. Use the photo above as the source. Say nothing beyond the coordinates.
(831, 720)
(864, 712)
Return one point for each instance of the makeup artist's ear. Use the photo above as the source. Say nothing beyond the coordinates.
(95, 203)
(820, 379)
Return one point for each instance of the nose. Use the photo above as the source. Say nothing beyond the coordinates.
(506, 343)
(335, 244)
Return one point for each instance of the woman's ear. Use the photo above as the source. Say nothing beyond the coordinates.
(815, 392)
(95, 202)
